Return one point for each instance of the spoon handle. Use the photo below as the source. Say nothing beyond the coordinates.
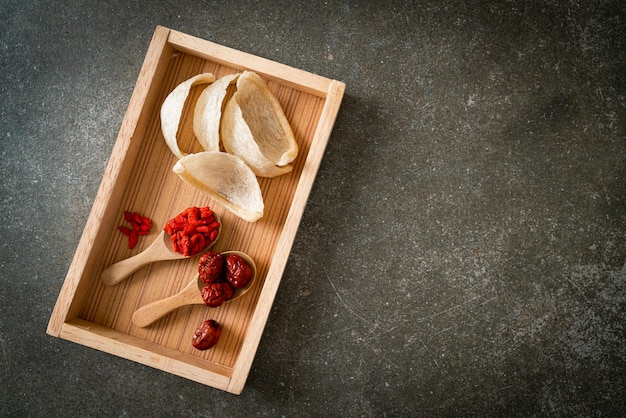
(151, 312)
(117, 272)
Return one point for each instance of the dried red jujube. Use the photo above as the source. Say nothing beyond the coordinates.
(214, 294)
(211, 267)
(207, 335)
(238, 272)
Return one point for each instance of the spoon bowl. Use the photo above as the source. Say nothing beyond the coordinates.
(161, 249)
(189, 295)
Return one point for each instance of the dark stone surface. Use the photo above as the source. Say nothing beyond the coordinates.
(463, 251)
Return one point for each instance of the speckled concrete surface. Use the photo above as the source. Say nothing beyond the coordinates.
(463, 251)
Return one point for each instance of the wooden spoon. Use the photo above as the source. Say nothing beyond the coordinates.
(189, 295)
(160, 250)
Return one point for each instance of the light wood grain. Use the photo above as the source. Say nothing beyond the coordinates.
(139, 178)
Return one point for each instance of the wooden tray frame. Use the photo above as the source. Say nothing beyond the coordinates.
(138, 177)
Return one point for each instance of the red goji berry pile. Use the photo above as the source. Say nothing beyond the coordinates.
(140, 225)
(192, 230)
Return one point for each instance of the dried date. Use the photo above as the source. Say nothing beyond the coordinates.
(207, 335)
(214, 294)
(238, 272)
(211, 267)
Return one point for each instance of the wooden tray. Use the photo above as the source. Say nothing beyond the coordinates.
(139, 178)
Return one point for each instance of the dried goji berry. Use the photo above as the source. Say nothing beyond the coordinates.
(193, 239)
(189, 230)
(175, 246)
(144, 227)
(201, 245)
(203, 229)
(124, 230)
(184, 229)
(140, 226)
(132, 239)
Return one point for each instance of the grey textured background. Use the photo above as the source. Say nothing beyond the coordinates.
(462, 253)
